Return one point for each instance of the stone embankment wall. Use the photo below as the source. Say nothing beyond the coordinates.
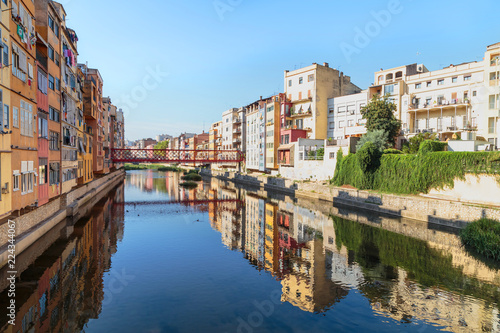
(33, 225)
(443, 211)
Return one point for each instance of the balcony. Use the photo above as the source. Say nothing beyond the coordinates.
(237, 140)
(237, 121)
(303, 100)
(439, 104)
(237, 130)
(294, 115)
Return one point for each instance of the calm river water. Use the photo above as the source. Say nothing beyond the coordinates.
(154, 257)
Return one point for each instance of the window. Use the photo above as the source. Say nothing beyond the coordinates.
(15, 182)
(428, 101)
(301, 79)
(54, 173)
(389, 89)
(331, 110)
(310, 78)
(332, 125)
(19, 63)
(42, 171)
(440, 82)
(494, 99)
(26, 119)
(51, 53)
(350, 123)
(6, 116)
(467, 78)
(5, 55)
(332, 155)
(42, 82)
(66, 137)
(51, 23)
(454, 79)
(54, 141)
(27, 182)
(429, 83)
(54, 115)
(351, 109)
(57, 84)
(341, 124)
(15, 117)
(418, 85)
(493, 76)
(51, 82)
(43, 128)
(341, 109)
(474, 93)
(56, 59)
(289, 83)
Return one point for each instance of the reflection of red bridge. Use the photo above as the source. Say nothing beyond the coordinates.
(187, 202)
(175, 156)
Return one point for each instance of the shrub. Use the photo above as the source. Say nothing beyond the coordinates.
(413, 145)
(368, 157)
(483, 237)
(189, 184)
(392, 151)
(379, 138)
(191, 176)
(428, 146)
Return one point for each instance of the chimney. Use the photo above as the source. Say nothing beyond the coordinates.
(325, 64)
(261, 98)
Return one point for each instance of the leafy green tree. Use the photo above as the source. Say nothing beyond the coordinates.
(379, 138)
(162, 145)
(369, 157)
(379, 115)
(413, 145)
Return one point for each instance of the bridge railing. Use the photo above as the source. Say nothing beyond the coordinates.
(131, 155)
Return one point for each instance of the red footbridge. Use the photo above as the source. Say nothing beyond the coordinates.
(176, 156)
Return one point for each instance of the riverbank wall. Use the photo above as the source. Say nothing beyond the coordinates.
(71, 206)
(446, 212)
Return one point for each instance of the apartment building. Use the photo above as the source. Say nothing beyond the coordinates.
(231, 123)
(108, 116)
(71, 119)
(49, 16)
(215, 136)
(6, 175)
(443, 101)
(273, 110)
(308, 90)
(255, 135)
(42, 99)
(23, 103)
(344, 116)
(489, 125)
(92, 109)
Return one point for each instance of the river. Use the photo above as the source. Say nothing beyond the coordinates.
(155, 257)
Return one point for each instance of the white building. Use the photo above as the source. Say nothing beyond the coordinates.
(229, 119)
(344, 116)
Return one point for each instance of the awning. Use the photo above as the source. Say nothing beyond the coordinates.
(286, 147)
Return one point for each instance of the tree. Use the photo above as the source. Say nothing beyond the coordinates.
(379, 138)
(162, 145)
(379, 115)
(413, 145)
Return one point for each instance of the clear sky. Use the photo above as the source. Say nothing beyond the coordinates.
(175, 66)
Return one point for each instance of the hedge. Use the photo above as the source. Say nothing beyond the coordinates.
(413, 174)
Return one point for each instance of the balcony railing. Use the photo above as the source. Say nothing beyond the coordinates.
(300, 114)
(237, 120)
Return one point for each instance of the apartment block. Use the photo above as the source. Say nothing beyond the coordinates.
(215, 136)
(231, 124)
(273, 110)
(6, 121)
(49, 17)
(308, 90)
(23, 103)
(344, 116)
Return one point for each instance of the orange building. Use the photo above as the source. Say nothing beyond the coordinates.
(49, 16)
(23, 104)
(92, 109)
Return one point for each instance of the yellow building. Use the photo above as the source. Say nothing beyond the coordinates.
(273, 131)
(5, 138)
(271, 242)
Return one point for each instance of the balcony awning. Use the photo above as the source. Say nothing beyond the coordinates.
(286, 147)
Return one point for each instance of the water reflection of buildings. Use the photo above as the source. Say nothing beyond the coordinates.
(319, 261)
(63, 288)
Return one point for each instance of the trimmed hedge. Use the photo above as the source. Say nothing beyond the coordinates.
(483, 237)
(413, 174)
(392, 151)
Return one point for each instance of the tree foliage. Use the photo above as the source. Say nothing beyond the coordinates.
(379, 138)
(162, 145)
(379, 115)
(413, 145)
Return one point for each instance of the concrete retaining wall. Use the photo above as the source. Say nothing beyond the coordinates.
(433, 210)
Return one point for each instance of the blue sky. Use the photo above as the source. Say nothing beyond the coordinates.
(211, 55)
